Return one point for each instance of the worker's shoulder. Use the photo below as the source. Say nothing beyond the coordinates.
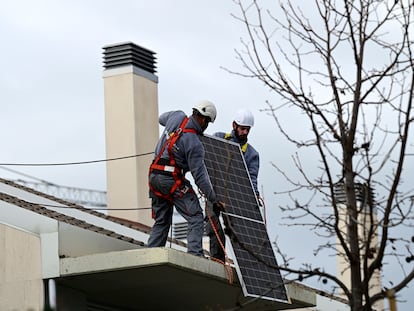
(252, 150)
(175, 113)
(171, 116)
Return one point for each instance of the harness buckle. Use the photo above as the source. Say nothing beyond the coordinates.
(169, 168)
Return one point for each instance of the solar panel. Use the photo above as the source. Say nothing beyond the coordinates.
(255, 260)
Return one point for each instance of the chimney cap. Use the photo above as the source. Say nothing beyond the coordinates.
(128, 53)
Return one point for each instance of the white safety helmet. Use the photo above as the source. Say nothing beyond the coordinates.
(207, 109)
(244, 117)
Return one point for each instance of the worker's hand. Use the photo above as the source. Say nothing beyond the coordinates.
(218, 207)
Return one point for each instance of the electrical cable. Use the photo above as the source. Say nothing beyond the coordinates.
(76, 163)
(2, 166)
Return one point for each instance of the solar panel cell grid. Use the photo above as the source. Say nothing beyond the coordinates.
(254, 257)
(231, 181)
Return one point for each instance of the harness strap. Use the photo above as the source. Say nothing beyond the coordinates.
(171, 167)
(243, 147)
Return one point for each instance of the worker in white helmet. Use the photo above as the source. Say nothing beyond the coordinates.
(242, 123)
(178, 151)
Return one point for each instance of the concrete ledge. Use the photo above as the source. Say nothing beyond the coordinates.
(140, 258)
(146, 271)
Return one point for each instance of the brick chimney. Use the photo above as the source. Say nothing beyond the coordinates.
(131, 121)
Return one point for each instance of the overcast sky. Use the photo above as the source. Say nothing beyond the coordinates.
(51, 86)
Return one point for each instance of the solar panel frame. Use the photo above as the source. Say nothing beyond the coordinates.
(255, 259)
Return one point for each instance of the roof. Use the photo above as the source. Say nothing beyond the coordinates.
(75, 215)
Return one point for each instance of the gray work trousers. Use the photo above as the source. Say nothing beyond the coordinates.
(186, 203)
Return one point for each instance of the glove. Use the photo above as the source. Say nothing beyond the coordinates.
(218, 207)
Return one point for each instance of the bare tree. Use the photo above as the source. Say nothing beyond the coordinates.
(347, 67)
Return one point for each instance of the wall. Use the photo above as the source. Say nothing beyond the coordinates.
(21, 285)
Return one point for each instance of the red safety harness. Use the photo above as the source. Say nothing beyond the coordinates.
(170, 168)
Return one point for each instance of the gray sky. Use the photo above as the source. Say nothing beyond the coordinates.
(51, 86)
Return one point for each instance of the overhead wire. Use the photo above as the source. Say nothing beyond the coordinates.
(77, 163)
(3, 166)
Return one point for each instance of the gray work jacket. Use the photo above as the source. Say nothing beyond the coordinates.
(188, 150)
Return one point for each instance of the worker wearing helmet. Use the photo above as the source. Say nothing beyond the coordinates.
(242, 123)
(178, 151)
